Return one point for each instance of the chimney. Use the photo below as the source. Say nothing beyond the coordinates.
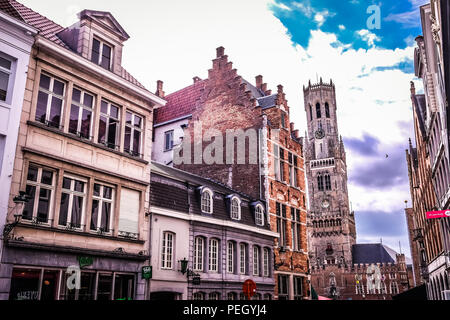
(264, 87)
(220, 52)
(196, 79)
(280, 88)
(413, 89)
(296, 134)
(159, 89)
(259, 81)
(292, 127)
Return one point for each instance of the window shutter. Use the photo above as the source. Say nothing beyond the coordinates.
(129, 211)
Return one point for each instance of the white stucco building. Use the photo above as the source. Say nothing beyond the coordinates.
(16, 39)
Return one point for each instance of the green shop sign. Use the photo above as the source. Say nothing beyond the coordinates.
(147, 272)
(85, 261)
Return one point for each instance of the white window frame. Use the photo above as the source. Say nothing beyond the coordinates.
(256, 261)
(235, 215)
(108, 117)
(167, 134)
(101, 199)
(199, 245)
(242, 258)
(71, 194)
(167, 250)
(100, 55)
(213, 255)
(51, 94)
(39, 185)
(211, 203)
(133, 128)
(214, 296)
(230, 256)
(259, 215)
(266, 259)
(82, 107)
(277, 167)
(10, 73)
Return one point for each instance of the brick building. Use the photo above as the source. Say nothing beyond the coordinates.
(269, 167)
(83, 158)
(428, 161)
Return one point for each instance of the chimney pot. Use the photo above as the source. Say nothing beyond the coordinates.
(196, 79)
(264, 87)
(220, 52)
(159, 89)
(259, 81)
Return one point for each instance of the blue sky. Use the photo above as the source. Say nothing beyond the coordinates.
(290, 43)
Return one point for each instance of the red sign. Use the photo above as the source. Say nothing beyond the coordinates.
(438, 214)
(249, 288)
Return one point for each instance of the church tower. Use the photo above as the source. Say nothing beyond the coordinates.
(331, 223)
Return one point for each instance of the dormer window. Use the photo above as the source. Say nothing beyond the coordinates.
(101, 54)
(207, 201)
(259, 215)
(235, 208)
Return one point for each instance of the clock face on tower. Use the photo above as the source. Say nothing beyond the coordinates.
(320, 134)
(325, 204)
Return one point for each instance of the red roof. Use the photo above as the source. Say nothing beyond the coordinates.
(47, 28)
(180, 103)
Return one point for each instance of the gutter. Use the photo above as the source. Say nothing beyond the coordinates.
(90, 66)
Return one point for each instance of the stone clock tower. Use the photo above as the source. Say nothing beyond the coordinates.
(331, 223)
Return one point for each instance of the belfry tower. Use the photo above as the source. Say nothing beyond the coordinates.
(331, 223)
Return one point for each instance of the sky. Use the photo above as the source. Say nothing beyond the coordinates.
(291, 42)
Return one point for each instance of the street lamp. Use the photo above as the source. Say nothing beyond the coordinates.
(184, 266)
(19, 202)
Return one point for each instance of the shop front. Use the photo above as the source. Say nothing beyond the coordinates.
(48, 275)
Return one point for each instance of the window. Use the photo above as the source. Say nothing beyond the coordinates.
(242, 258)
(199, 296)
(293, 162)
(327, 182)
(198, 254)
(81, 114)
(359, 287)
(213, 255)
(283, 119)
(295, 228)
(281, 164)
(259, 215)
(327, 110)
(5, 73)
(167, 250)
(230, 257)
(102, 208)
(257, 296)
(318, 112)
(101, 54)
(214, 296)
(266, 262)
(320, 182)
(168, 140)
(50, 101)
(256, 262)
(281, 224)
(40, 188)
(123, 287)
(108, 131)
(73, 195)
(133, 134)
(328, 127)
(298, 288)
(207, 201)
(267, 296)
(232, 296)
(394, 287)
(130, 201)
(276, 155)
(235, 208)
(283, 287)
(310, 113)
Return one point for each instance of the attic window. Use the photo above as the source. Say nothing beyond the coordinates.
(235, 208)
(101, 54)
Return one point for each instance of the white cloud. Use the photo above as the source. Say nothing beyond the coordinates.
(175, 40)
(341, 27)
(368, 36)
(281, 6)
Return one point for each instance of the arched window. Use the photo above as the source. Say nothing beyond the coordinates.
(199, 244)
(207, 201)
(310, 112)
(232, 296)
(235, 208)
(167, 250)
(199, 296)
(213, 255)
(259, 215)
(320, 182)
(257, 296)
(267, 296)
(327, 182)
(214, 296)
(327, 110)
(318, 112)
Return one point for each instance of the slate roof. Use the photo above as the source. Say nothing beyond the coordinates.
(373, 253)
(174, 195)
(268, 101)
(180, 103)
(48, 29)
